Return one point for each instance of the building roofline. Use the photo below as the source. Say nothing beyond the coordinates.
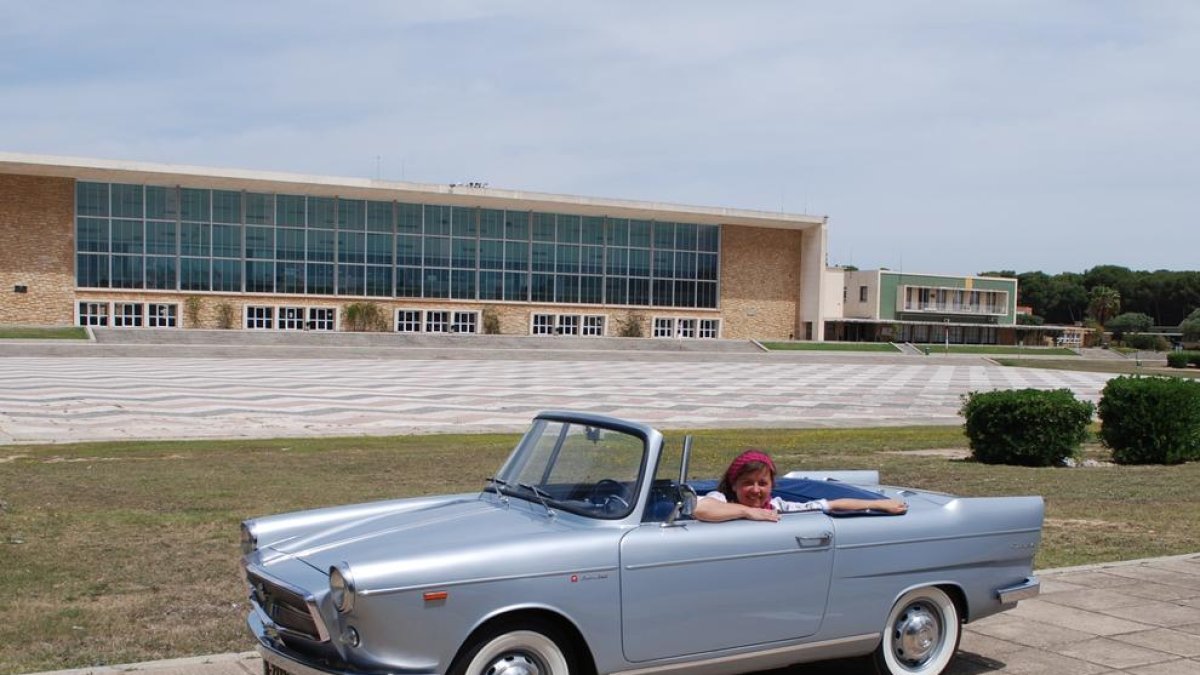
(104, 170)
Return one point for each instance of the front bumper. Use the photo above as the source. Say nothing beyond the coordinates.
(276, 654)
(1010, 595)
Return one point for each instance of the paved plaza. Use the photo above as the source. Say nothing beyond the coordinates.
(80, 397)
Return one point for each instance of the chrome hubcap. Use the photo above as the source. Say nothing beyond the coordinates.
(916, 636)
(513, 664)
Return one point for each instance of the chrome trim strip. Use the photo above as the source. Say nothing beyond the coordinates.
(484, 580)
(925, 540)
(722, 558)
(1025, 590)
(782, 656)
(310, 601)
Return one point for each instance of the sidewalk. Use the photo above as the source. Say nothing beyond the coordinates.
(1140, 617)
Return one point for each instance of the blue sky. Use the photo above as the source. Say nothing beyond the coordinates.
(946, 137)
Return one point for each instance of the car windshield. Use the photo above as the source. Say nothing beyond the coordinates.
(590, 470)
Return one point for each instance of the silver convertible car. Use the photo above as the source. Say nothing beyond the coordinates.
(581, 556)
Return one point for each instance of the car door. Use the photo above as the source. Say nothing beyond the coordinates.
(699, 587)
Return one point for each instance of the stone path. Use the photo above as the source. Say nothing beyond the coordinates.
(81, 398)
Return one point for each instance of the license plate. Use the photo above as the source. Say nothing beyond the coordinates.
(272, 669)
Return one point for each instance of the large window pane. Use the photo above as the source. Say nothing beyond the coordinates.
(437, 252)
(227, 241)
(437, 220)
(91, 271)
(685, 237)
(639, 292)
(616, 232)
(127, 236)
(664, 235)
(320, 245)
(162, 203)
(289, 277)
(464, 221)
(491, 255)
(352, 214)
(127, 271)
(289, 244)
(195, 239)
(663, 293)
(321, 212)
(194, 205)
(593, 231)
(160, 238)
(260, 243)
(614, 291)
(639, 234)
(226, 206)
(289, 210)
(542, 288)
(408, 250)
(566, 288)
(379, 217)
(685, 265)
(160, 272)
(618, 262)
(352, 280)
(226, 275)
(260, 209)
(491, 285)
(591, 289)
(462, 284)
(592, 260)
(379, 281)
(91, 235)
(706, 266)
(463, 251)
(567, 261)
(379, 249)
(352, 247)
(408, 218)
(516, 225)
(568, 229)
(260, 276)
(127, 201)
(193, 274)
(685, 294)
(91, 199)
(437, 283)
(664, 264)
(516, 286)
(319, 279)
(543, 227)
(639, 262)
(491, 224)
(408, 282)
(516, 256)
(708, 238)
(706, 295)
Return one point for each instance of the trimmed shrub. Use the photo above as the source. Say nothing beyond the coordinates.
(1178, 359)
(364, 316)
(1025, 427)
(630, 325)
(1146, 342)
(491, 321)
(1151, 420)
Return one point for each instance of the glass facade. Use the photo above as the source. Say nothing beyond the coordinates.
(186, 239)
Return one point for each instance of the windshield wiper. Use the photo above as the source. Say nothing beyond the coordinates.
(541, 494)
(496, 484)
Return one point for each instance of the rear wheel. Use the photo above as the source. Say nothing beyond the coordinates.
(530, 647)
(921, 634)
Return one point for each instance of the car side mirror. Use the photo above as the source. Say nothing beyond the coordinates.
(684, 507)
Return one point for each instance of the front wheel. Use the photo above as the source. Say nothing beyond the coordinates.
(525, 648)
(921, 634)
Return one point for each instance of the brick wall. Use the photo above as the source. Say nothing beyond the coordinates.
(760, 282)
(37, 250)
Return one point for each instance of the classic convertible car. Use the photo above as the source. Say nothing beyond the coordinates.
(581, 556)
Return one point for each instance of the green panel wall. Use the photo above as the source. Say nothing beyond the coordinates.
(890, 283)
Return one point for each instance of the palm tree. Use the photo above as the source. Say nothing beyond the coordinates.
(1103, 303)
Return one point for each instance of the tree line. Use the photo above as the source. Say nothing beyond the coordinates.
(1167, 296)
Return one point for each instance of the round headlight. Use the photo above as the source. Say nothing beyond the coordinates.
(249, 541)
(341, 587)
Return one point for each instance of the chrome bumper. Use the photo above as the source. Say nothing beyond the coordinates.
(293, 664)
(1023, 591)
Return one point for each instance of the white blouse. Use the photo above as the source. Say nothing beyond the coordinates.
(781, 505)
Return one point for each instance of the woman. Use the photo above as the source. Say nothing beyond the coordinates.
(745, 492)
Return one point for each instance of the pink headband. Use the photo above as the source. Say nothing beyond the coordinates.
(745, 458)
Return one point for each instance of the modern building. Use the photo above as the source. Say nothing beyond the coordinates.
(890, 306)
(131, 244)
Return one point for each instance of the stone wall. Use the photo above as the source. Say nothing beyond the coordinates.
(760, 282)
(37, 250)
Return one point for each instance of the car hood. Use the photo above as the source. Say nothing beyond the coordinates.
(439, 537)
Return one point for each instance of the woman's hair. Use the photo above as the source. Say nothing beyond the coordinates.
(747, 462)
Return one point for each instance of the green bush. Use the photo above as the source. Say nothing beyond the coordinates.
(1129, 322)
(1146, 342)
(225, 316)
(491, 321)
(630, 325)
(1193, 358)
(364, 316)
(1151, 420)
(1025, 427)
(1178, 359)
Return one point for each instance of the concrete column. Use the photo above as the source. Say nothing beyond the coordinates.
(812, 279)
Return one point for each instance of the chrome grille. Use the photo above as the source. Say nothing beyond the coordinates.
(286, 608)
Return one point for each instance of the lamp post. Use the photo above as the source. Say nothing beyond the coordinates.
(946, 334)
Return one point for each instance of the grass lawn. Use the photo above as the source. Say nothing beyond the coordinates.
(125, 552)
(832, 346)
(37, 333)
(1129, 367)
(997, 349)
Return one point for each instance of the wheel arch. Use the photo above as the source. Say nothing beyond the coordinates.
(534, 615)
(959, 597)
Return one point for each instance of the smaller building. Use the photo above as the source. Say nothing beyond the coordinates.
(888, 306)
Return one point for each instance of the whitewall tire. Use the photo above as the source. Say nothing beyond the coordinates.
(921, 634)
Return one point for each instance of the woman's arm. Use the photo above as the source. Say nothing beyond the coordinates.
(894, 506)
(716, 511)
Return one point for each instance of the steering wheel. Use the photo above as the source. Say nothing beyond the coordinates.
(609, 494)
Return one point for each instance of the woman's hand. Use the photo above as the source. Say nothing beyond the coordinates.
(770, 515)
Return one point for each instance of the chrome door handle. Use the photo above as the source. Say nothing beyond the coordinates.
(822, 539)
